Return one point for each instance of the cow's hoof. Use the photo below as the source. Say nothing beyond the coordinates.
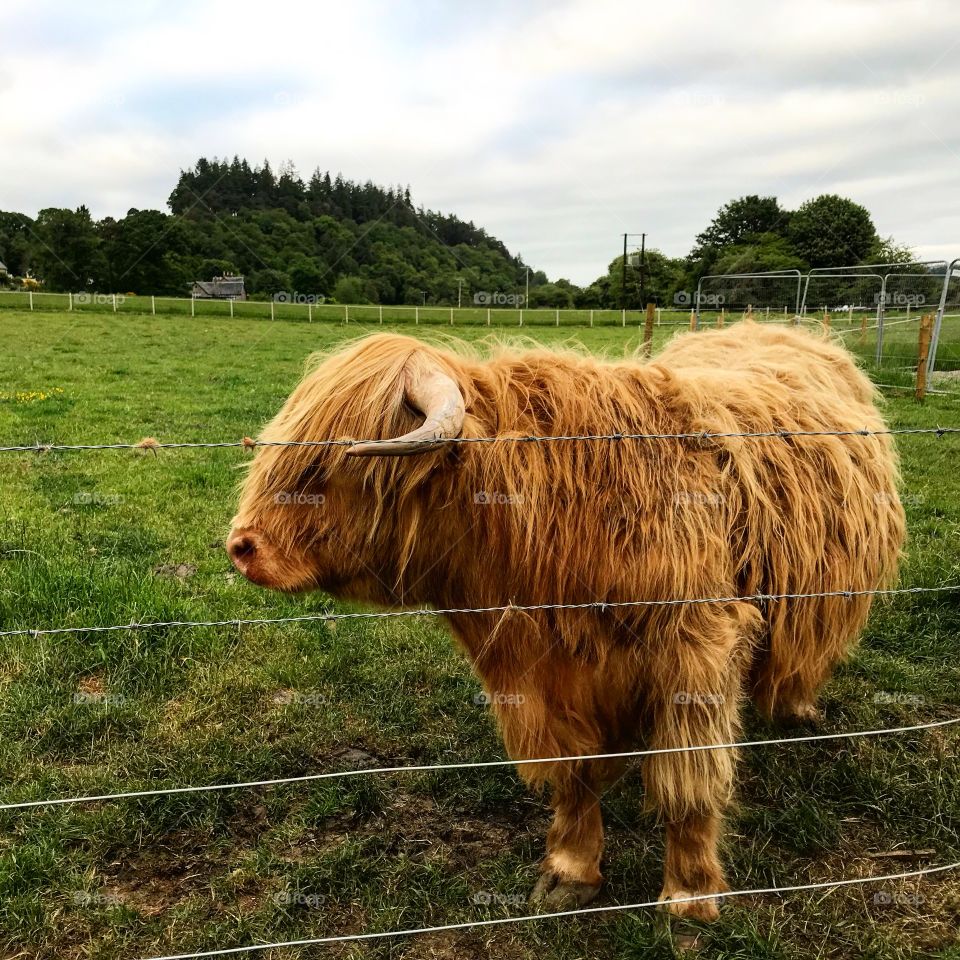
(674, 902)
(553, 894)
(804, 714)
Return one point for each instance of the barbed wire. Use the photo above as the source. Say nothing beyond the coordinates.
(582, 911)
(601, 606)
(151, 444)
(471, 765)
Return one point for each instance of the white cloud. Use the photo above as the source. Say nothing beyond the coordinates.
(556, 127)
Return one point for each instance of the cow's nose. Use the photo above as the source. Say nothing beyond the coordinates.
(242, 547)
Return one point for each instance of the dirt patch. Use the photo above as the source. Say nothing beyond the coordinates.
(464, 946)
(175, 571)
(416, 827)
(152, 884)
(92, 685)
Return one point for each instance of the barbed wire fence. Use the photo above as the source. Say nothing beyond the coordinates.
(152, 444)
(582, 911)
(491, 312)
(600, 606)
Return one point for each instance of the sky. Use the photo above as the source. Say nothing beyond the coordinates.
(555, 126)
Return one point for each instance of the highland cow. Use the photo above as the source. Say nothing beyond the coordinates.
(411, 519)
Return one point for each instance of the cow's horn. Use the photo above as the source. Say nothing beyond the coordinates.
(434, 394)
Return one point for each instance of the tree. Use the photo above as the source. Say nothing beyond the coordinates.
(138, 253)
(270, 282)
(15, 242)
(832, 231)
(68, 253)
(740, 220)
(662, 277)
(766, 252)
(308, 276)
(887, 250)
(551, 295)
(353, 290)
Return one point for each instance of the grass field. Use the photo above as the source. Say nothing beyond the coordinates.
(111, 537)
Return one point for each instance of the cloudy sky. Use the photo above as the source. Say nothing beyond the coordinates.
(556, 125)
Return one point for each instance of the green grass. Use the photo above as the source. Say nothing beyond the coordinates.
(93, 538)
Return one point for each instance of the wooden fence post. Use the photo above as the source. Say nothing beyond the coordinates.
(863, 326)
(923, 352)
(826, 319)
(693, 319)
(648, 329)
(721, 318)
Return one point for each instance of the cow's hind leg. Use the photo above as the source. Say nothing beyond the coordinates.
(806, 640)
(693, 697)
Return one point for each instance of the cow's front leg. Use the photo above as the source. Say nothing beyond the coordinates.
(532, 729)
(570, 873)
(551, 704)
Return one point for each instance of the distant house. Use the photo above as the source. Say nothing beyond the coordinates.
(219, 288)
(3, 269)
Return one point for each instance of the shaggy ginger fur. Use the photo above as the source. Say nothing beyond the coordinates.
(474, 525)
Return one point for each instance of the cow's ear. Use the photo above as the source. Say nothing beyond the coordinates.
(428, 390)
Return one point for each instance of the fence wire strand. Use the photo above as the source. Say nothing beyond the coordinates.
(601, 606)
(247, 443)
(583, 911)
(472, 765)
